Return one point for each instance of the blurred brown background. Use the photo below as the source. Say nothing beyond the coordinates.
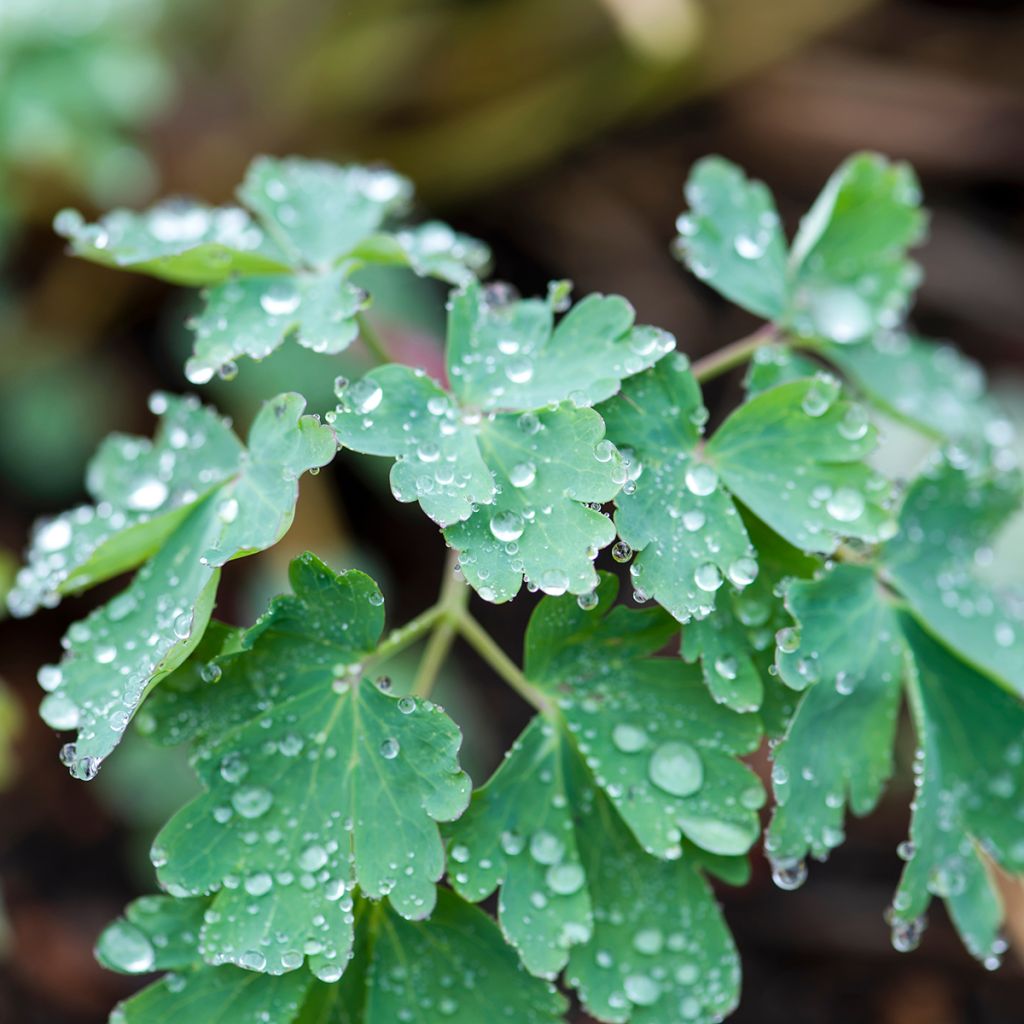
(560, 131)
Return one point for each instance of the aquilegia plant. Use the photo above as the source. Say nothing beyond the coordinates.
(790, 591)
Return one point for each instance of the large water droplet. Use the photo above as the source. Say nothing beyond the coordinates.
(676, 767)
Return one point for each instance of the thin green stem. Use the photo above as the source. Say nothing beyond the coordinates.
(405, 636)
(453, 599)
(372, 340)
(480, 640)
(734, 354)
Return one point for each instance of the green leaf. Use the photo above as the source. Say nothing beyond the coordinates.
(850, 658)
(849, 270)
(732, 239)
(947, 522)
(735, 642)
(286, 271)
(317, 782)
(177, 240)
(456, 967)
(657, 744)
(687, 531)
(512, 356)
(319, 212)
(651, 957)
(156, 933)
(143, 490)
(971, 746)
(772, 365)
(511, 484)
(928, 384)
(253, 315)
(518, 833)
(122, 649)
(848, 274)
(216, 995)
(794, 456)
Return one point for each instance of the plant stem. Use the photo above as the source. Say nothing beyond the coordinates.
(372, 340)
(405, 636)
(733, 354)
(480, 640)
(452, 600)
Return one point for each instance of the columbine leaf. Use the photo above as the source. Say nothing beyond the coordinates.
(948, 519)
(122, 649)
(143, 491)
(512, 356)
(216, 995)
(649, 958)
(686, 530)
(657, 744)
(156, 933)
(454, 967)
(286, 271)
(772, 365)
(793, 455)
(735, 642)
(850, 657)
(971, 746)
(180, 241)
(849, 270)
(518, 833)
(535, 828)
(929, 384)
(732, 238)
(510, 484)
(326, 784)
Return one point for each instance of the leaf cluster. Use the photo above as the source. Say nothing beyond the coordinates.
(792, 590)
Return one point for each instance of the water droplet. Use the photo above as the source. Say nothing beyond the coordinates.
(281, 298)
(126, 948)
(148, 495)
(676, 768)
(364, 396)
(707, 577)
(554, 582)
(621, 551)
(906, 935)
(788, 872)
(641, 989)
(742, 572)
(389, 748)
(565, 879)
(252, 801)
(507, 526)
(820, 395)
(649, 941)
(522, 474)
(701, 479)
(546, 848)
(846, 505)
(629, 738)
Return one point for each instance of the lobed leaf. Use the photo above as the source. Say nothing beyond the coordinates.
(286, 270)
(850, 658)
(316, 783)
(454, 967)
(849, 270)
(794, 456)
(505, 462)
(967, 806)
(946, 524)
(556, 829)
(732, 239)
(150, 508)
(687, 531)
(847, 273)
